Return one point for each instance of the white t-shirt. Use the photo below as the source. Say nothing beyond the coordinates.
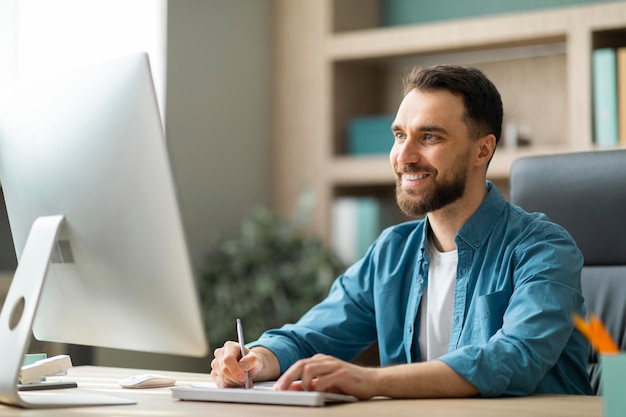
(437, 303)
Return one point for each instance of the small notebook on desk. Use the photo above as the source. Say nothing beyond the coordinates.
(258, 395)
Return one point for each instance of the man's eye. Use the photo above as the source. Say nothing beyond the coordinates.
(399, 136)
(429, 137)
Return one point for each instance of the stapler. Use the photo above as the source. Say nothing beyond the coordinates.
(33, 376)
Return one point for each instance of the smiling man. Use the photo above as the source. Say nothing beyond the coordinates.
(475, 298)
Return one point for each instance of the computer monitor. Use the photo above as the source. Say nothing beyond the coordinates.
(94, 214)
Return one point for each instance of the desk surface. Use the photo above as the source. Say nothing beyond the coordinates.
(159, 402)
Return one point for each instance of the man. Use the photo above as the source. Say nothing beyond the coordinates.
(475, 299)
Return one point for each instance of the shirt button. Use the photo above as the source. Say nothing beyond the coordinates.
(410, 328)
(477, 244)
(420, 281)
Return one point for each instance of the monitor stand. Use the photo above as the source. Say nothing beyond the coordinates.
(16, 321)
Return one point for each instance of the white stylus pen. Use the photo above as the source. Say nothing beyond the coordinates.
(243, 349)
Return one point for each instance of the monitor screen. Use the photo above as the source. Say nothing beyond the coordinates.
(89, 147)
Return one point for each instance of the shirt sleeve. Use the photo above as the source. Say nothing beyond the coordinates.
(342, 325)
(536, 324)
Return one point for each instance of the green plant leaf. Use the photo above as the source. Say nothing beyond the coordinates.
(267, 273)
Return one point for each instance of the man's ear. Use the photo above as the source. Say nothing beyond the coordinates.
(486, 148)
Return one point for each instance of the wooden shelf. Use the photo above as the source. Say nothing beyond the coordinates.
(364, 171)
(500, 165)
(468, 34)
(361, 171)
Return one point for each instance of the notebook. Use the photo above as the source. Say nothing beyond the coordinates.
(258, 395)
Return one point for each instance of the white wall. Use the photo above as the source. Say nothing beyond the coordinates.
(218, 126)
(7, 42)
(218, 111)
(60, 35)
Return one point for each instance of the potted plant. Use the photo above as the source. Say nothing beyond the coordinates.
(268, 272)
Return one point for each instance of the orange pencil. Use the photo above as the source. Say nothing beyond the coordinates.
(596, 333)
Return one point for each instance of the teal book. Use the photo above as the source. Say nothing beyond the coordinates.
(356, 223)
(370, 135)
(604, 73)
(368, 224)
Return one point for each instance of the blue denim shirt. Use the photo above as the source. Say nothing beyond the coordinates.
(517, 286)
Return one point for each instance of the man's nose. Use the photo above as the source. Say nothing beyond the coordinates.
(408, 152)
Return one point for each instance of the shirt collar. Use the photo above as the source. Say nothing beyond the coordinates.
(477, 229)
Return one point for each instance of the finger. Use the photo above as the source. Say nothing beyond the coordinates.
(250, 362)
(222, 376)
(289, 377)
(315, 369)
(226, 364)
(230, 361)
(330, 382)
(306, 370)
(295, 386)
(218, 380)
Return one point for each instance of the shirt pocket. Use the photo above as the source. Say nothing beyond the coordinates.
(490, 310)
(493, 305)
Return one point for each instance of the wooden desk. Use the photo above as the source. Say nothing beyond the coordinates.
(159, 402)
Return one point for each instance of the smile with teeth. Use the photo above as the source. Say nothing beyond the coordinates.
(413, 177)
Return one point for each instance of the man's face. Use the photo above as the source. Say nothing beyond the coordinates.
(431, 151)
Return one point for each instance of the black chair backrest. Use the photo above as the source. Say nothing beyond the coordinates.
(586, 194)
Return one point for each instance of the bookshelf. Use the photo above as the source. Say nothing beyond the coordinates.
(333, 63)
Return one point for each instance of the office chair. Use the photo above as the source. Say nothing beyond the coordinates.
(585, 193)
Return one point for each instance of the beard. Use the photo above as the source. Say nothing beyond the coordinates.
(416, 203)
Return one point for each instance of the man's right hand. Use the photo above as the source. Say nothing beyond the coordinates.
(229, 368)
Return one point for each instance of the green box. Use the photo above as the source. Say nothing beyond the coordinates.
(613, 379)
(370, 135)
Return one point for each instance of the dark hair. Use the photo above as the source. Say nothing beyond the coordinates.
(483, 104)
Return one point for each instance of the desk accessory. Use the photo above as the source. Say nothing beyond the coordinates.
(243, 348)
(259, 396)
(613, 380)
(56, 365)
(612, 362)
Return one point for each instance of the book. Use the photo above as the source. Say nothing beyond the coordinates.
(343, 229)
(368, 224)
(370, 135)
(604, 74)
(356, 223)
(621, 94)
